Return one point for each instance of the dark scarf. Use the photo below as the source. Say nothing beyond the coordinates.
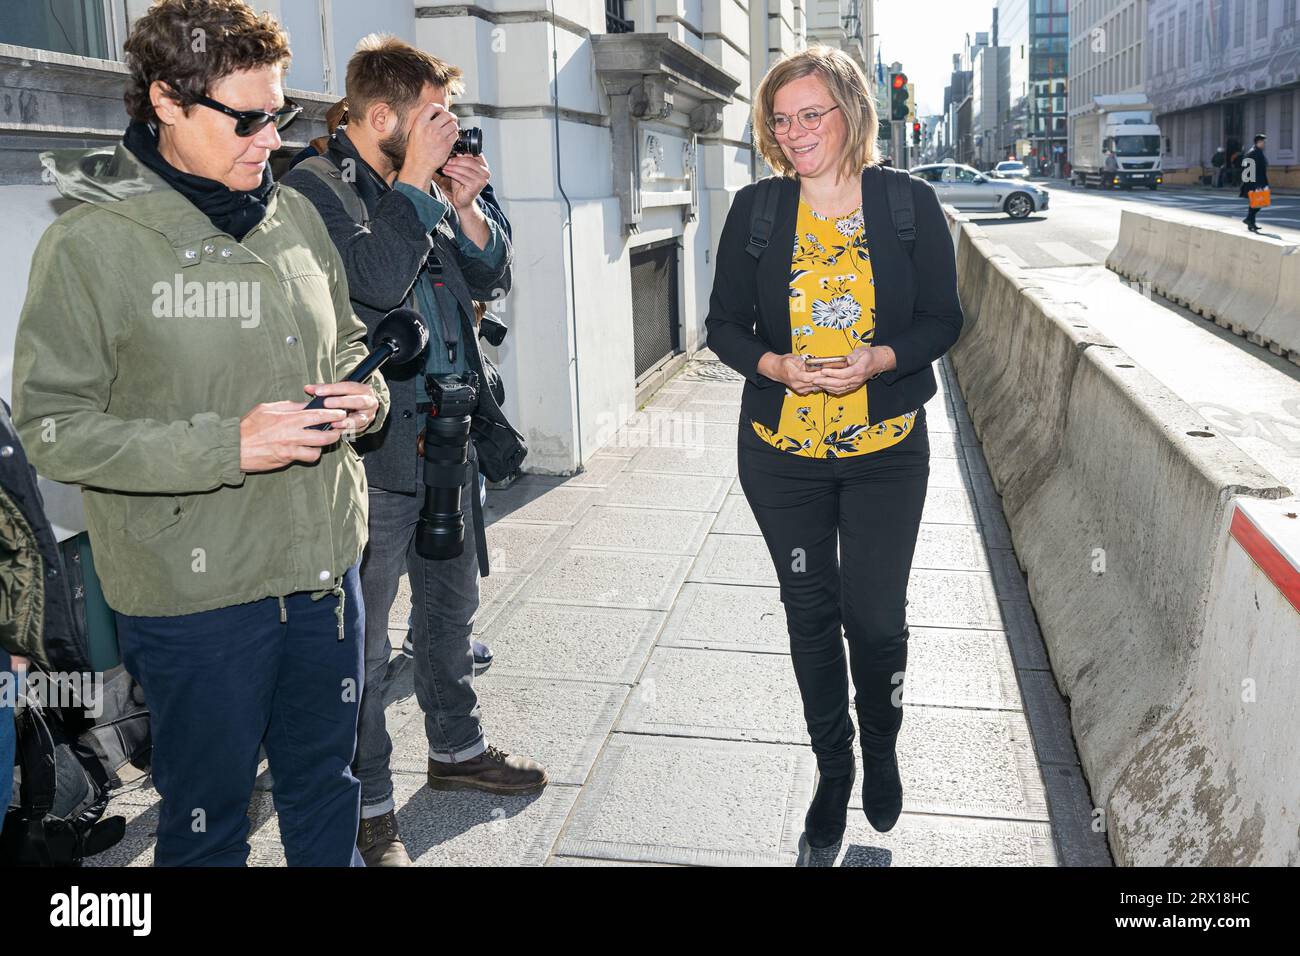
(231, 211)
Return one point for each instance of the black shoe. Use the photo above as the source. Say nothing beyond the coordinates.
(1254, 229)
(882, 791)
(823, 826)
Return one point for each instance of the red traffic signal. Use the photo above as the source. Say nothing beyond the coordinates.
(916, 128)
(900, 81)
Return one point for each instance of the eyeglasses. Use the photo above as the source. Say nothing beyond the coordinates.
(809, 119)
(250, 122)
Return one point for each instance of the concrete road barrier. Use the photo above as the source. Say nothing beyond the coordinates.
(1253, 284)
(1121, 256)
(1280, 330)
(1015, 360)
(1116, 496)
(1249, 284)
(1170, 249)
(1235, 729)
(1248, 273)
(1200, 272)
(1133, 256)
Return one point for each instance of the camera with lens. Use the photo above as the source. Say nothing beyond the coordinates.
(469, 142)
(453, 399)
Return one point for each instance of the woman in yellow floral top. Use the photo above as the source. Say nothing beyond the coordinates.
(821, 261)
(832, 312)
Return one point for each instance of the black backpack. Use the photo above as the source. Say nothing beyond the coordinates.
(63, 791)
(898, 193)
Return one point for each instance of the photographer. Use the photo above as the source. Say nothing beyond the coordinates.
(405, 213)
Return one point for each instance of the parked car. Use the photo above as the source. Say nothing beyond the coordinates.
(1010, 169)
(971, 191)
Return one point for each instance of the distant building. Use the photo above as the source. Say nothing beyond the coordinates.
(990, 105)
(957, 112)
(1106, 50)
(1037, 35)
(1220, 72)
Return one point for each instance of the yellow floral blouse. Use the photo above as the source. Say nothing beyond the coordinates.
(832, 312)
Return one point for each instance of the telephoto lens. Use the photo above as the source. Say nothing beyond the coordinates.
(470, 141)
(440, 533)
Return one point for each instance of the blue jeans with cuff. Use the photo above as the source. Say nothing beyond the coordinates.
(444, 601)
(217, 684)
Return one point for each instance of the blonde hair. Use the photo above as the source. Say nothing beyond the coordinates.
(847, 86)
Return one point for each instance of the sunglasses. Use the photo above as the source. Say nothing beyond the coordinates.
(250, 122)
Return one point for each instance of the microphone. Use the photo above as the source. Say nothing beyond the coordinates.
(400, 337)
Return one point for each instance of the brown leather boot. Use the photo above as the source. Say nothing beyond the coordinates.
(493, 771)
(379, 843)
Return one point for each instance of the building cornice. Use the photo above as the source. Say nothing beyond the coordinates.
(657, 82)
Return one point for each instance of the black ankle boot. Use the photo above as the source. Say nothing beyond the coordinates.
(882, 791)
(823, 827)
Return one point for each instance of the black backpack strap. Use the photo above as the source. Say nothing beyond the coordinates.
(898, 191)
(324, 169)
(766, 198)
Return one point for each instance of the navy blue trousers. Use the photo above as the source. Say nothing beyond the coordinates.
(217, 684)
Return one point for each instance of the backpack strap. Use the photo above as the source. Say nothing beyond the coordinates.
(323, 169)
(766, 199)
(898, 191)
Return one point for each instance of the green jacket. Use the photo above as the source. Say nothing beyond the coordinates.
(147, 334)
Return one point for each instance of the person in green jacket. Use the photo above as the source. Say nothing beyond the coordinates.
(177, 321)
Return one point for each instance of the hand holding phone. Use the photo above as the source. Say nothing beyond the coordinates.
(812, 362)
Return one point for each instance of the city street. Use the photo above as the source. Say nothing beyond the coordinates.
(1247, 393)
(556, 234)
(1080, 225)
(641, 655)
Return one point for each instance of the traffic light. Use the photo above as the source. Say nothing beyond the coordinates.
(898, 96)
(916, 134)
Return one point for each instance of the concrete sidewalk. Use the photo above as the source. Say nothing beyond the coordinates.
(641, 655)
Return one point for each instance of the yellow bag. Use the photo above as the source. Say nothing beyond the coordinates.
(1259, 198)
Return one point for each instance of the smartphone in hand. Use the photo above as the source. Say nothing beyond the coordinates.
(813, 362)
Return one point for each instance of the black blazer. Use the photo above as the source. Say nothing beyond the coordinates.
(1261, 171)
(918, 313)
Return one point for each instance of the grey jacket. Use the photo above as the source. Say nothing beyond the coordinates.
(383, 258)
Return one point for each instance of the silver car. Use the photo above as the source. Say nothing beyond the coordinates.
(969, 190)
(1009, 169)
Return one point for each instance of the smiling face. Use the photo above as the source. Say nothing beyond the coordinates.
(204, 142)
(817, 152)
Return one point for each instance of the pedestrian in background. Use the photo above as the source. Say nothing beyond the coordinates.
(1254, 179)
(834, 460)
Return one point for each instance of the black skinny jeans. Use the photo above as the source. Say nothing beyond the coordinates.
(842, 532)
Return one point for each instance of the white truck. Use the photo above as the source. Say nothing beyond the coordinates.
(1124, 123)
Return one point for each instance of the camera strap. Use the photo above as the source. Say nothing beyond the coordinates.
(480, 534)
(446, 303)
